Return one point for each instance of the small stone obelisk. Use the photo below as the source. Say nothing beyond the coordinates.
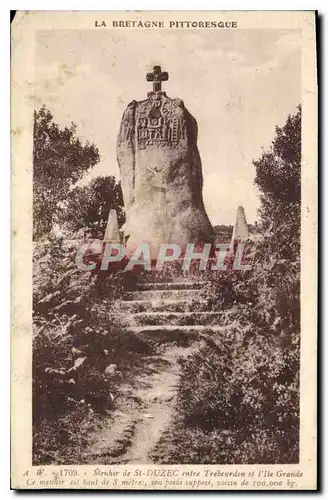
(240, 230)
(112, 233)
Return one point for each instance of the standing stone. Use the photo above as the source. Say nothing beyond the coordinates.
(240, 230)
(161, 172)
(112, 234)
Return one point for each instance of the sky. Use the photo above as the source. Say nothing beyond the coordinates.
(238, 84)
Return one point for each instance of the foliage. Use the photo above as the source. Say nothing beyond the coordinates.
(222, 233)
(278, 176)
(244, 383)
(75, 339)
(81, 350)
(238, 399)
(59, 161)
(89, 206)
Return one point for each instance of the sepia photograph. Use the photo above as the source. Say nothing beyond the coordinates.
(166, 222)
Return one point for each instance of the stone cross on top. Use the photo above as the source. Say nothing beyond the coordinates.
(157, 77)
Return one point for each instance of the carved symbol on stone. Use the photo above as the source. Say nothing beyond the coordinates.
(151, 170)
(169, 107)
(158, 135)
(142, 122)
(155, 122)
(143, 133)
(174, 130)
(155, 170)
(159, 123)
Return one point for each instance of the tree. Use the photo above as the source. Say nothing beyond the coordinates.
(278, 176)
(89, 206)
(59, 161)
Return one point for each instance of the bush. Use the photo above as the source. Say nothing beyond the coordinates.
(244, 381)
(238, 399)
(75, 338)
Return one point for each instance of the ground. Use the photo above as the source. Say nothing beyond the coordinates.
(144, 410)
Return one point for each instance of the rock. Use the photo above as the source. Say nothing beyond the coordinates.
(161, 174)
(75, 351)
(77, 363)
(110, 369)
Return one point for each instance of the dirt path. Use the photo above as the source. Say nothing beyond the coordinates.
(144, 411)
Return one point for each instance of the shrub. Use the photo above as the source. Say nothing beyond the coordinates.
(238, 398)
(75, 339)
(245, 381)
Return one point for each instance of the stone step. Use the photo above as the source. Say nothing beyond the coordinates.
(175, 318)
(167, 305)
(173, 285)
(167, 333)
(182, 328)
(160, 277)
(186, 294)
